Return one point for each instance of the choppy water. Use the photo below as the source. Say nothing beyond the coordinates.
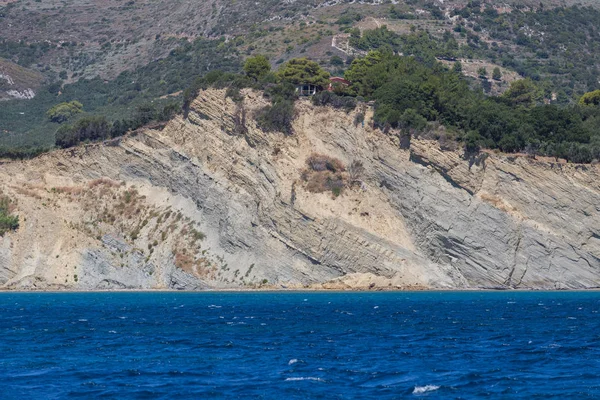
(299, 345)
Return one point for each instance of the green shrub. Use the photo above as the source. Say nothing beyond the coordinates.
(497, 74)
(197, 235)
(299, 71)
(64, 111)
(86, 129)
(411, 119)
(168, 112)
(590, 98)
(22, 152)
(144, 114)
(257, 67)
(326, 98)
(472, 142)
(8, 222)
(116, 99)
(277, 117)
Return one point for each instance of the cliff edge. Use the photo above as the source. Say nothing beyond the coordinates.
(211, 201)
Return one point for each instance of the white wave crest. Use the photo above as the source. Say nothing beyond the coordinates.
(293, 361)
(305, 378)
(425, 389)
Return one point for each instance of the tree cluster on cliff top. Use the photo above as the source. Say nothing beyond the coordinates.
(410, 92)
(407, 91)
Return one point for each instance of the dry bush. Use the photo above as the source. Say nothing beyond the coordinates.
(497, 202)
(74, 190)
(324, 174)
(205, 268)
(184, 262)
(201, 267)
(356, 170)
(320, 162)
(128, 204)
(7, 205)
(325, 182)
(27, 192)
(104, 191)
(103, 182)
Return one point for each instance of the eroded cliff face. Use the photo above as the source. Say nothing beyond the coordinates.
(211, 201)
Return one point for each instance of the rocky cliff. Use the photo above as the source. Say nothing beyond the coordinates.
(211, 201)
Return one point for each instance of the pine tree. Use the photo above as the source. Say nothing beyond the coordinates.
(457, 67)
(482, 72)
(496, 74)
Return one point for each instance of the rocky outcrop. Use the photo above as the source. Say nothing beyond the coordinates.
(17, 82)
(517, 222)
(211, 201)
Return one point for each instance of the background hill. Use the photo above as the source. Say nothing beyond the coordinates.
(116, 56)
(89, 38)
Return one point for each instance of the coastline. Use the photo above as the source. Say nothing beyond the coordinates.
(303, 290)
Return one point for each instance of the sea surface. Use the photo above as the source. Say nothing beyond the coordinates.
(300, 345)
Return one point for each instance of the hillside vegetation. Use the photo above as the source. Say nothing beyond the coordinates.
(561, 45)
(409, 58)
(129, 98)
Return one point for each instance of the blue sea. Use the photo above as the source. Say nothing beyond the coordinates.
(300, 345)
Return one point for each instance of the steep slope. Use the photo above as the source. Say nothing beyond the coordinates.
(212, 201)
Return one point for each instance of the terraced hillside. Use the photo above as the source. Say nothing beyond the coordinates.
(105, 37)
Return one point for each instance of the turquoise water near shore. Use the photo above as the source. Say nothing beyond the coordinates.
(300, 345)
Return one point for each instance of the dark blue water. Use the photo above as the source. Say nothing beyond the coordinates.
(299, 345)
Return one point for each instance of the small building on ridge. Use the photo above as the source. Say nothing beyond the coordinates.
(336, 80)
(306, 89)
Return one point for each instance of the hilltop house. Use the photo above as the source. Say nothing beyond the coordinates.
(310, 90)
(307, 89)
(337, 81)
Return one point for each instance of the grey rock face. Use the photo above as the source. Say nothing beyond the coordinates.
(518, 223)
